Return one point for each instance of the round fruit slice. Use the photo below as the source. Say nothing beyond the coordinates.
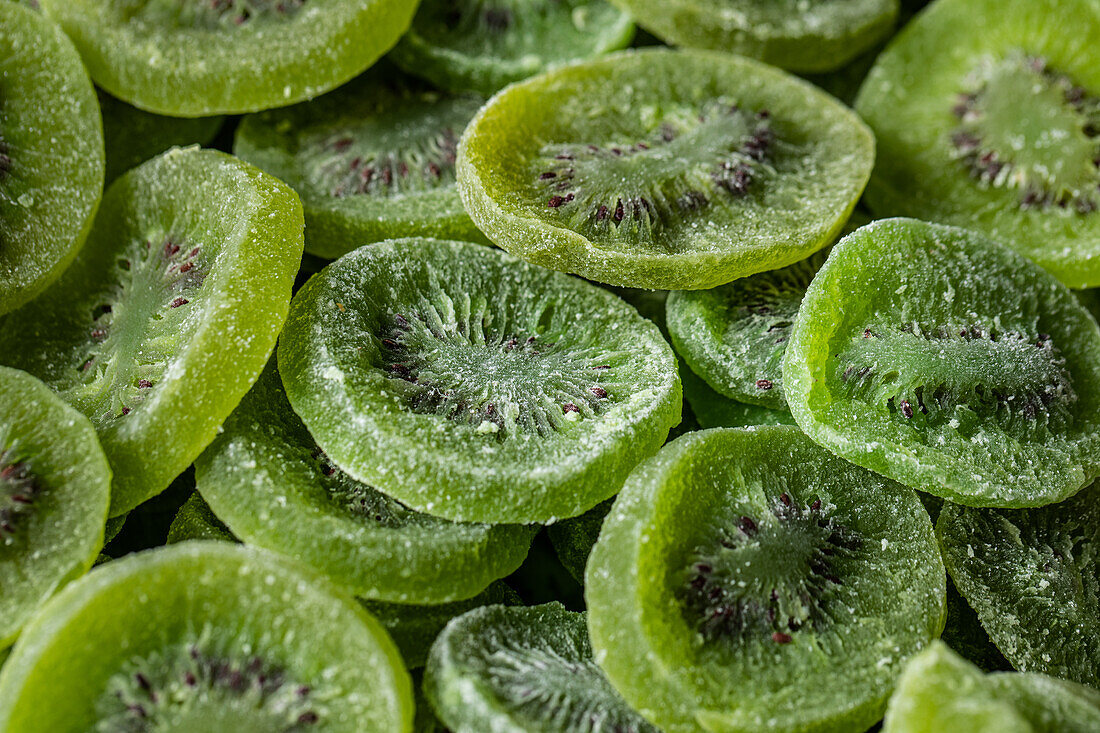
(169, 314)
(373, 160)
(663, 169)
(523, 669)
(267, 479)
(54, 492)
(194, 58)
(988, 116)
(940, 691)
(801, 36)
(481, 46)
(51, 154)
(747, 580)
(204, 636)
(713, 410)
(470, 385)
(943, 360)
(1033, 577)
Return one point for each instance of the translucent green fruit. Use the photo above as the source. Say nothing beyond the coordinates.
(169, 313)
(194, 58)
(54, 492)
(988, 116)
(941, 691)
(51, 154)
(204, 636)
(748, 580)
(948, 362)
(372, 160)
(793, 34)
(523, 670)
(468, 384)
(663, 169)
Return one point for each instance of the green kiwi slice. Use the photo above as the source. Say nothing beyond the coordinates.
(483, 45)
(941, 691)
(204, 636)
(943, 360)
(195, 521)
(470, 385)
(196, 58)
(518, 670)
(373, 160)
(746, 579)
(965, 634)
(168, 314)
(663, 169)
(713, 410)
(1033, 577)
(268, 480)
(573, 538)
(54, 492)
(51, 154)
(988, 117)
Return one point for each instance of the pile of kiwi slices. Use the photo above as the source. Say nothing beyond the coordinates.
(549, 366)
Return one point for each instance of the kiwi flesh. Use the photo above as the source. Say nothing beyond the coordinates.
(168, 314)
(746, 579)
(714, 410)
(950, 363)
(51, 154)
(987, 116)
(195, 521)
(711, 168)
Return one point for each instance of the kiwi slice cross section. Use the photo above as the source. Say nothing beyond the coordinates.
(747, 580)
(470, 385)
(51, 154)
(169, 314)
(663, 169)
(267, 479)
(988, 117)
(946, 361)
(204, 636)
(373, 160)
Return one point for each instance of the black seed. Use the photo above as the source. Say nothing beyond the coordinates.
(178, 302)
(599, 392)
(764, 384)
(906, 409)
(746, 525)
(785, 499)
(570, 407)
(555, 202)
(547, 176)
(780, 638)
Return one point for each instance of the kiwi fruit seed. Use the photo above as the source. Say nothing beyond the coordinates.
(748, 580)
(663, 169)
(948, 362)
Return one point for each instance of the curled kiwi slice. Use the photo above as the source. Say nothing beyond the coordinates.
(204, 636)
(517, 670)
(948, 362)
(988, 117)
(746, 580)
(194, 58)
(713, 410)
(483, 45)
(267, 479)
(54, 492)
(941, 691)
(372, 160)
(51, 154)
(473, 386)
(663, 169)
(168, 314)
(1033, 577)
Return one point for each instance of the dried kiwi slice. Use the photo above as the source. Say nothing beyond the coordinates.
(948, 362)
(940, 691)
(193, 58)
(663, 169)
(988, 116)
(1033, 577)
(267, 479)
(204, 636)
(169, 313)
(54, 492)
(746, 580)
(815, 36)
(195, 521)
(51, 154)
(470, 385)
(713, 410)
(372, 160)
(573, 538)
(520, 670)
(483, 45)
